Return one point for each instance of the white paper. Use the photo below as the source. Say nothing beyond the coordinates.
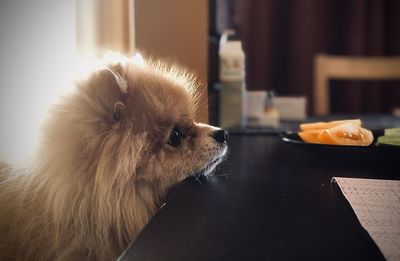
(376, 204)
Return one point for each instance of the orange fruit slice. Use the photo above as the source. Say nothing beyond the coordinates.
(310, 136)
(327, 125)
(346, 134)
(349, 132)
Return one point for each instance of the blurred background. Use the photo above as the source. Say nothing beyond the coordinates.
(257, 59)
(281, 40)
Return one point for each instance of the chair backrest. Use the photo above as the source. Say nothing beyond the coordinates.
(328, 67)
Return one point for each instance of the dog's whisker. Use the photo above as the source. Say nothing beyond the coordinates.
(197, 178)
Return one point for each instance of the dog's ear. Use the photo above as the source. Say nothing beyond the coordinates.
(119, 109)
(108, 87)
(121, 82)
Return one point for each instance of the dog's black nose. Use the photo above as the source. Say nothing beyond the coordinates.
(220, 135)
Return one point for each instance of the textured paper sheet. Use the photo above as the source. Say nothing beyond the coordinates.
(376, 204)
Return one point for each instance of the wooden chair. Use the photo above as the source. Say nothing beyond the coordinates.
(328, 67)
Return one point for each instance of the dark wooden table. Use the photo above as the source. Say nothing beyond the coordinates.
(268, 201)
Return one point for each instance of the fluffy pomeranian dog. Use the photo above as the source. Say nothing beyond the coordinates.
(108, 154)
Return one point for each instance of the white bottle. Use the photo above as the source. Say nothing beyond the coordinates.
(231, 75)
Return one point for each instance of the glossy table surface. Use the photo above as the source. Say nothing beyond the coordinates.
(268, 201)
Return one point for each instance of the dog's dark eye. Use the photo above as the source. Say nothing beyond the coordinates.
(175, 138)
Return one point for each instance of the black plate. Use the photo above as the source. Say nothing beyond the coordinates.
(372, 151)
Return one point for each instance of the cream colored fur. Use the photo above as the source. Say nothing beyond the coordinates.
(104, 164)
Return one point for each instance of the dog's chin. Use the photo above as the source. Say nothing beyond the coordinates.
(210, 167)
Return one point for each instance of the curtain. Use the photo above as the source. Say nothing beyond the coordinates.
(280, 40)
(103, 25)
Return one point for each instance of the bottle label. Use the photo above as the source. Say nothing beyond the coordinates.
(231, 69)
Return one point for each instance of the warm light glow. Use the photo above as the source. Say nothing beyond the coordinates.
(138, 59)
(38, 62)
(40, 44)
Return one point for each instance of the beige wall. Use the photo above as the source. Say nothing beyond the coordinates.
(176, 31)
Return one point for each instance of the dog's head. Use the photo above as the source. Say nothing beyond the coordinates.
(135, 122)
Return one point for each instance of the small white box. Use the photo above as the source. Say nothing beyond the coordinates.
(291, 108)
(255, 102)
(257, 115)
